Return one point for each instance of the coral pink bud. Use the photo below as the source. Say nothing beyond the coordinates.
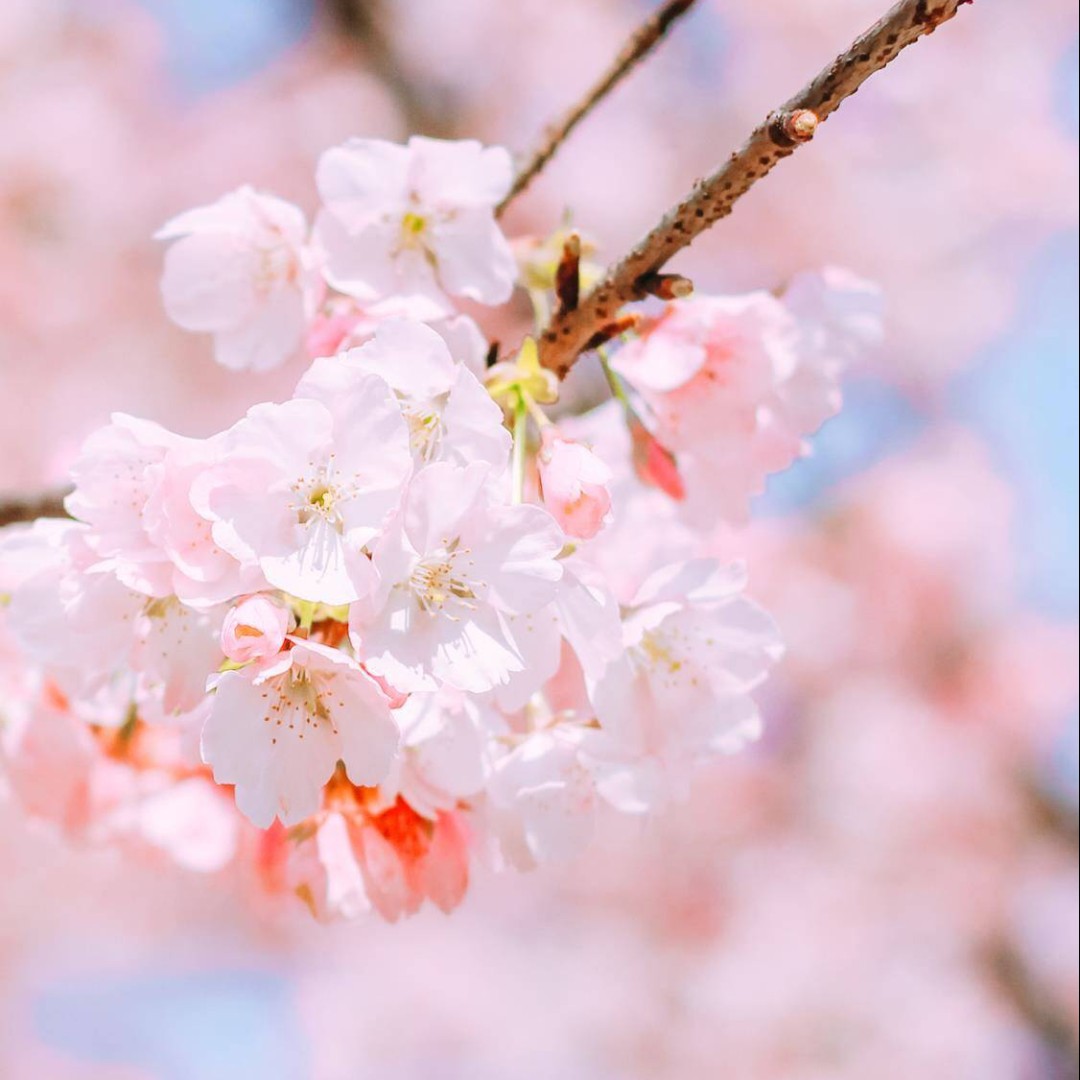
(574, 484)
(654, 463)
(254, 630)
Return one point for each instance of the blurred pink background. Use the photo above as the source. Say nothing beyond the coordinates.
(887, 886)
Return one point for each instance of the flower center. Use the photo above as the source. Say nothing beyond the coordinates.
(441, 583)
(658, 653)
(425, 429)
(277, 264)
(320, 495)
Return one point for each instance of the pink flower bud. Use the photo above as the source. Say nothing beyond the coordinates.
(254, 630)
(654, 463)
(574, 484)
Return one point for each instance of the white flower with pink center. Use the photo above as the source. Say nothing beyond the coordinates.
(240, 269)
(453, 570)
(303, 488)
(451, 417)
(415, 221)
(278, 731)
(694, 649)
(734, 384)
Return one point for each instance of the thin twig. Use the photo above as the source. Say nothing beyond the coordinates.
(569, 333)
(641, 43)
(16, 508)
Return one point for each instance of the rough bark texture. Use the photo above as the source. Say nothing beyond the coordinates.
(773, 139)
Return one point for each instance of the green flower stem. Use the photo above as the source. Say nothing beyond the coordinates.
(521, 431)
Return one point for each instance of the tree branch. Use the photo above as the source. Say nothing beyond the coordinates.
(641, 43)
(426, 110)
(569, 332)
(573, 329)
(16, 508)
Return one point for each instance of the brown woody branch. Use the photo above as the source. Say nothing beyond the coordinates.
(778, 135)
(596, 318)
(15, 508)
(641, 43)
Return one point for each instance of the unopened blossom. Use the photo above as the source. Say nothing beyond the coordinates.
(240, 269)
(573, 480)
(450, 416)
(303, 487)
(452, 569)
(654, 463)
(415, 221)
(694, 648)
(277, 731)
(254, 629)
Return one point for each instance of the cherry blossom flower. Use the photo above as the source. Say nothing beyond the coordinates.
(574, 481)
(450, 415)
(116, 473)
(68, 611)
(442, 759)
(240, 269)
(175, 649)
(452, 569)
(543, 799)
(407, 841)
(304, 488)
(694, 649)
(277, 731)
(735, 384)
(415, 221)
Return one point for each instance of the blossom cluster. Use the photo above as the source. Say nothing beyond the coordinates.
(389, 621)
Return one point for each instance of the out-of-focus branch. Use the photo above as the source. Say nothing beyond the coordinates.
(1034, 1005)
(641, 43)
(570, 332)
(15, 508)
(364, 23)
(1052, 814)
